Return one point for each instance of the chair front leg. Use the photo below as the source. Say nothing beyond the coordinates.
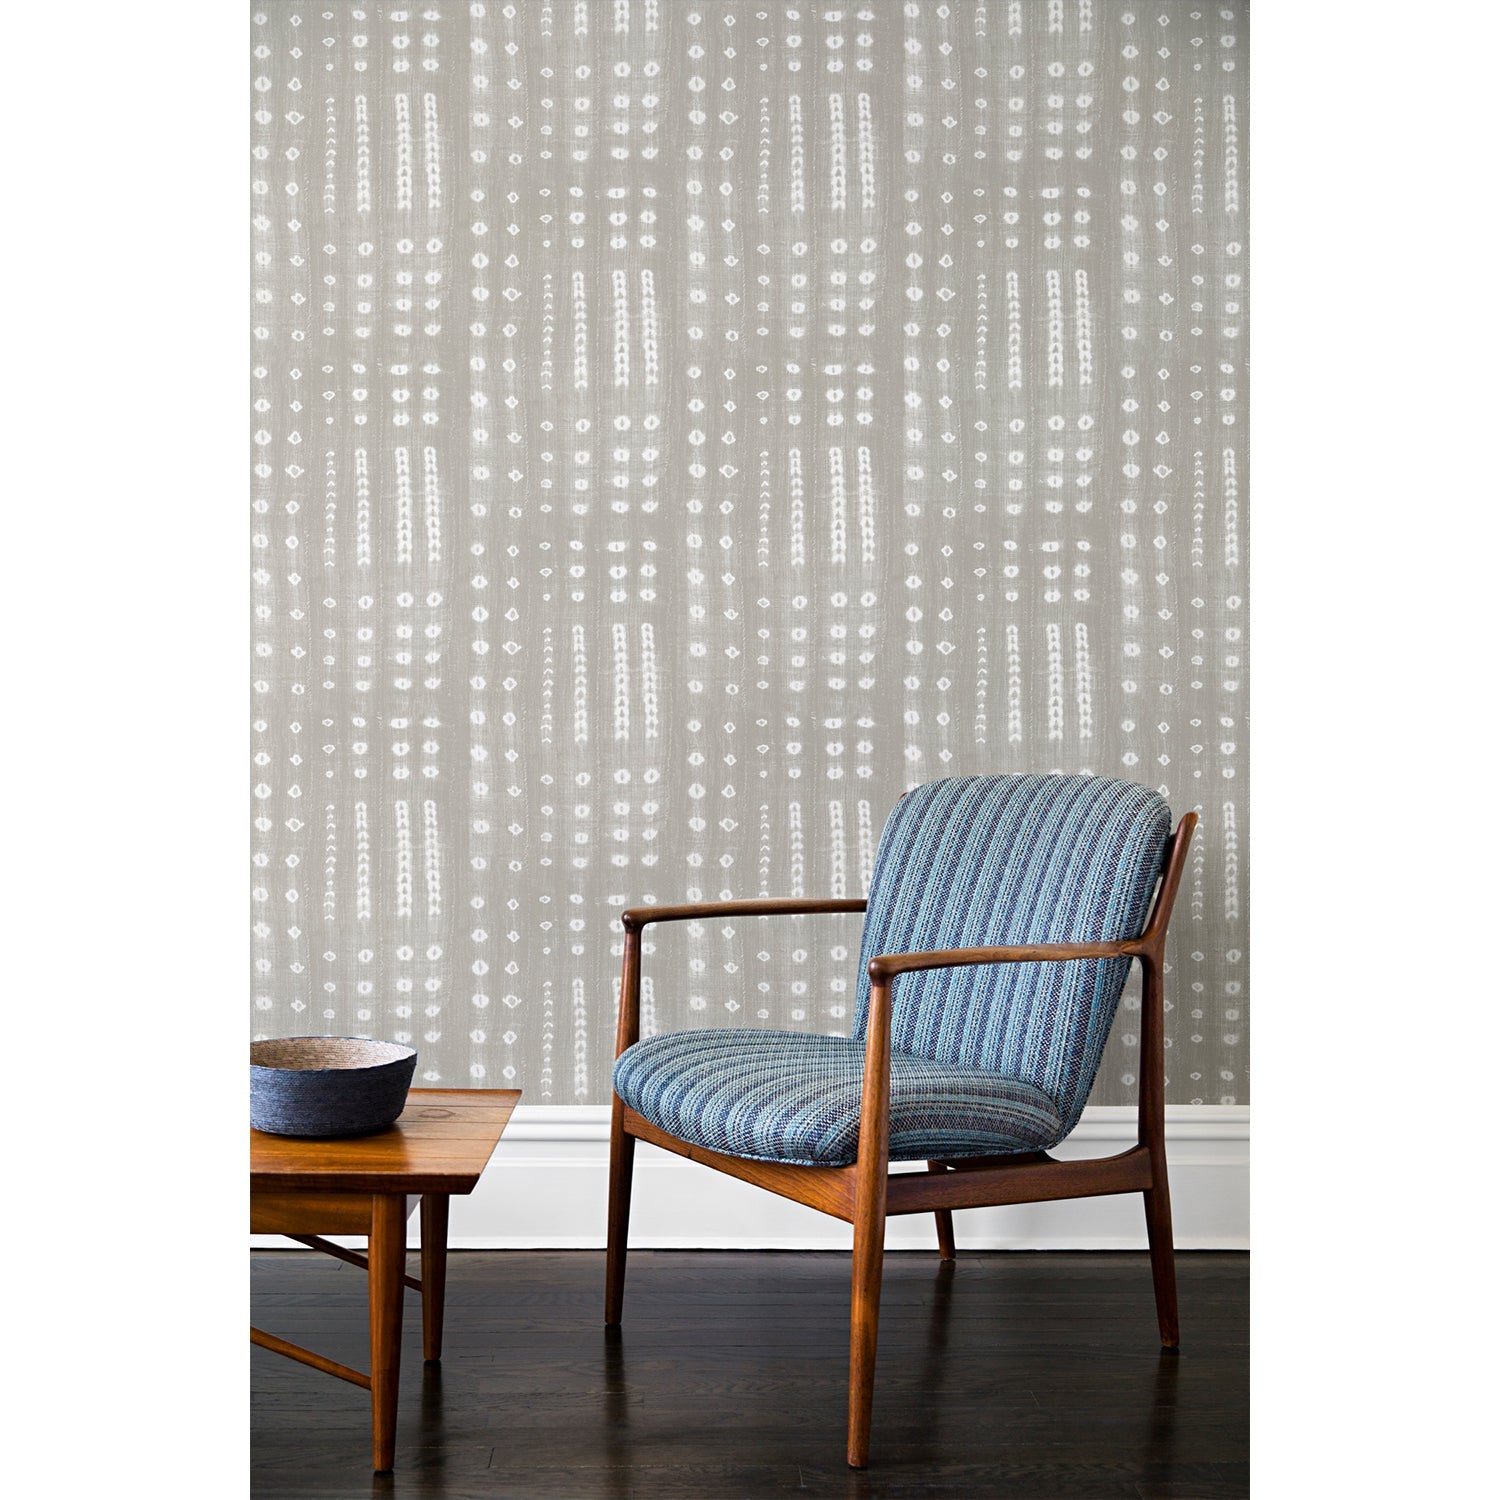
(1153, 1137)
(621, 1145)
(871, 1167)
(864, 1318)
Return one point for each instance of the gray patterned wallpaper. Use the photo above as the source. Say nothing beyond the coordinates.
(678, 428)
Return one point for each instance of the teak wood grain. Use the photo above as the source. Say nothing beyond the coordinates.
(830, 1189)
(439, 1145)
(294, 1212)
(867, 1193)
(371, 1185)
(638, 917)
(434, 1282)
(303, 1356)
(944, 1217)
(353, 1257)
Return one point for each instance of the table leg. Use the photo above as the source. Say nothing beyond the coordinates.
(387, 1270)
(434, 1272)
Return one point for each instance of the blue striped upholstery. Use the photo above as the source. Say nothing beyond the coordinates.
(787, 1096)
(981, 861)
(984, 1059)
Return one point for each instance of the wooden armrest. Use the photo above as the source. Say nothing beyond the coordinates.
(885, 966)
(637, 917)
(628, 1030)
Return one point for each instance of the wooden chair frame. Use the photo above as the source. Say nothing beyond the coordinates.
(867, 1193)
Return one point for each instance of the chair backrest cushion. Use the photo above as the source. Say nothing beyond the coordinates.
(981, 861)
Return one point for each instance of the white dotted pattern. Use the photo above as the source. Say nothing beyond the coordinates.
(677, 429)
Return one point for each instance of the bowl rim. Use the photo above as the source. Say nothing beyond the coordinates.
(408, 1054)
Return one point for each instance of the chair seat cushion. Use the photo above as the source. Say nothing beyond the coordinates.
(791, 1097)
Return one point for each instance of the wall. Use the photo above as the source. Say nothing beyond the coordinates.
(677, 430)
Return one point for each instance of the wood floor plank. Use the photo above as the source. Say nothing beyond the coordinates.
(1009, 1375)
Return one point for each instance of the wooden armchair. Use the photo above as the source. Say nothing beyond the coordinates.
(1015, 905)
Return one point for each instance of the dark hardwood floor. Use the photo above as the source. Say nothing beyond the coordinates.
(1034, 1376)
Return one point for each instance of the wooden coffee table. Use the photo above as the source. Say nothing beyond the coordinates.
(370, 1185)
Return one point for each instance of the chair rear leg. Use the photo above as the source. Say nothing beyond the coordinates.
(944, 1217)
(621, 1171)
(946, 1248)
(1163, 1266)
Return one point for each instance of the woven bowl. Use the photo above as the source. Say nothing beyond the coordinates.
(328, 1085)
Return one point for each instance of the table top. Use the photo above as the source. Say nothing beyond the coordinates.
(441, 1144)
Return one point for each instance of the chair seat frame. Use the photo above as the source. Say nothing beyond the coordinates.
(866, 1193)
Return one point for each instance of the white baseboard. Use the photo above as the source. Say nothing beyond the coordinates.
(545, 1189)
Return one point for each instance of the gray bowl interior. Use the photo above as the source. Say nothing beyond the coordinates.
(303, 1054)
